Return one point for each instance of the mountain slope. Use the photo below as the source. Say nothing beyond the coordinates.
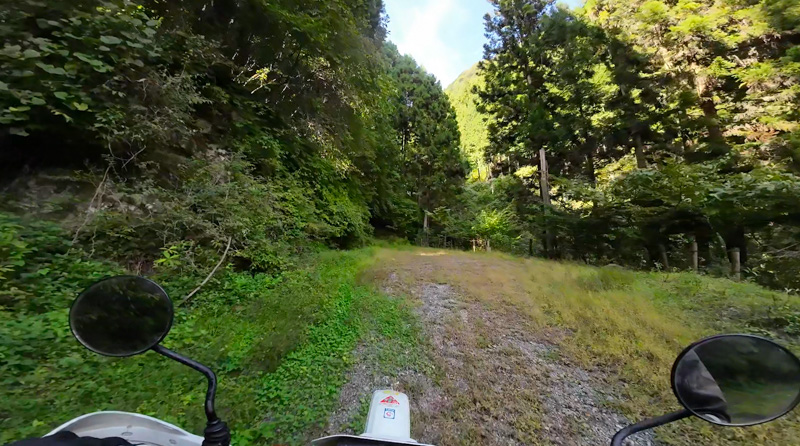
(474, 135)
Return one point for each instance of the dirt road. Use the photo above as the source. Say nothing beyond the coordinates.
(498, 377)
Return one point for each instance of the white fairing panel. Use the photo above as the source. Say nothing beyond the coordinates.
(136, 428)
(388, 422)
(389, 416)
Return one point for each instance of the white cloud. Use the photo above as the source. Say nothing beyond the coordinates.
(416, 27)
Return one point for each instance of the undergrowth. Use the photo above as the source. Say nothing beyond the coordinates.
(280, 344)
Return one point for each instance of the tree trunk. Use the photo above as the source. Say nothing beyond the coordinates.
(590, 168)
(695, 257)
(715, 137)
(704, 87)
(641, 162)
(664, 258)
(403, 150)
(736, 238)
(703, 239)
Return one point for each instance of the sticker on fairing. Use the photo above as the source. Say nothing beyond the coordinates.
(390, 400)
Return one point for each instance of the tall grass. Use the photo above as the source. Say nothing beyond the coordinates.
(628, 325)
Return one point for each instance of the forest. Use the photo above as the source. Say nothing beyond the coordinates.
(647, 134)
(228, 141)
(262, 149)
(185, 126)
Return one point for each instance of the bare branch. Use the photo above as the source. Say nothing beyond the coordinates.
(211, 274)
(98, 196)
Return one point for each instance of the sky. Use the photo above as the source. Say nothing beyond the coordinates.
(444, 36)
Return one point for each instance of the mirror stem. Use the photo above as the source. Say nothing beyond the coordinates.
(648, 424)
(211, 415)
(216, 432)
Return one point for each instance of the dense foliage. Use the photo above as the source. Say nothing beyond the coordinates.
(160, 138)
(430, 156)
(229, 142)
(471, 124)
(276, 342)
(193, 124)
(661, 125)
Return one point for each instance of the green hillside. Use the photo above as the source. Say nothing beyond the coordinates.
(474, 135)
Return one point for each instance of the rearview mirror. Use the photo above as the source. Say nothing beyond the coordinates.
(128, 315)
(737, 380)
(121, 316)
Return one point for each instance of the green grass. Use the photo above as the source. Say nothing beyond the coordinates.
(630, 325)
(281, 346)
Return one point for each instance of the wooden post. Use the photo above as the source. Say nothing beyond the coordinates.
(736, 265)
(425, 229)
(641, 162)
(544, 188)
(695, 258)
(488, 245)
(474, 248)
(664, 258)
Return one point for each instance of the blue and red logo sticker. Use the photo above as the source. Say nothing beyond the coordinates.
(389, 414)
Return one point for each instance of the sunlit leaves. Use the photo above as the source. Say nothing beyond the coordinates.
(54, 69)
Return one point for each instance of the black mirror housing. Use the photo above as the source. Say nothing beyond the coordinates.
(737, 380)
(730, 380)
(129, 315)
(121, 316)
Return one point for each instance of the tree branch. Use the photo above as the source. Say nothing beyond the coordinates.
(97, 196)
(211, 274)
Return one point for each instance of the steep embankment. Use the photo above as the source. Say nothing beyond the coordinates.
(471, 123)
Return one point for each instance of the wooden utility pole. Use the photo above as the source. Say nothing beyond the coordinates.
(736, 264)
(544, 179)
(544, 187)
(425, 229)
